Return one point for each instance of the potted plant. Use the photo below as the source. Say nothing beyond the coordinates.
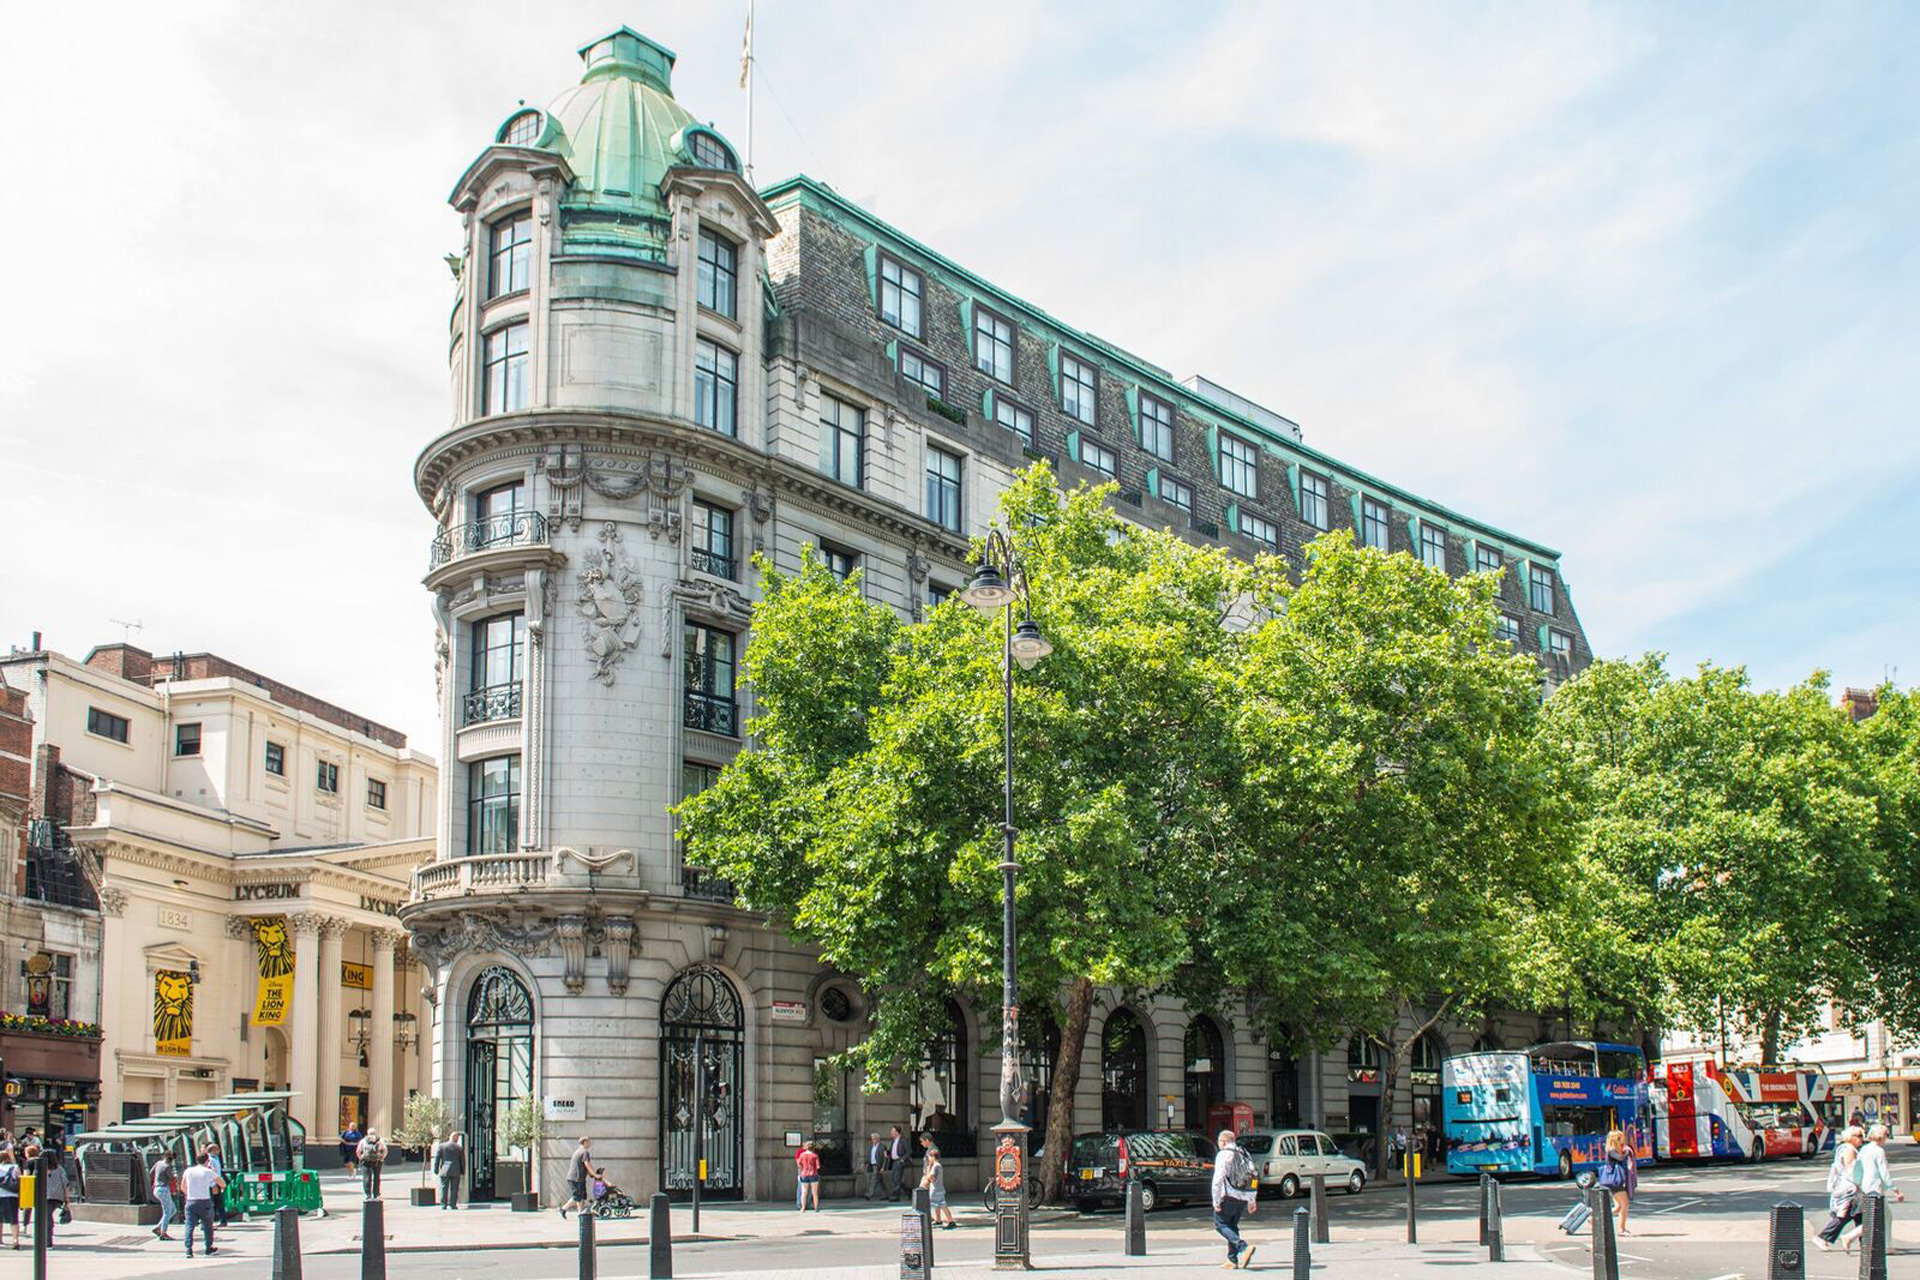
(425, 1121)
(524, 1126)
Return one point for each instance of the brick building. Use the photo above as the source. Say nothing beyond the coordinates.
(657, 371)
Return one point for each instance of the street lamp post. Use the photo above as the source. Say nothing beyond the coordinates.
(1000, 583)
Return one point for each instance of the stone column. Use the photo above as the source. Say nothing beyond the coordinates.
(380, 1042)
(303, 1040)
(331, 1037)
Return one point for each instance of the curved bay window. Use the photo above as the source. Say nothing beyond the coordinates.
(498, 654)
(1206, 1071)
(1123, 1073)
(493, 806)
(702, 1045)
(499, 1073)
(941, 1091)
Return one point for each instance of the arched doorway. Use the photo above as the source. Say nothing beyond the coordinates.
(702, 1052)
(499, 1073)
(1206, 1055)
(1123, 1073)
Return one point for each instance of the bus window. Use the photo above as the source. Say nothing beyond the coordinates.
(1621, 1064)
(1578, 1122)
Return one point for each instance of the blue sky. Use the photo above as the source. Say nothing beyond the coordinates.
(1637, 281)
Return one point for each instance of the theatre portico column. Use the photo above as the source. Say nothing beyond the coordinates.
(326, 1115)
(380, 1034)
(303, 1049)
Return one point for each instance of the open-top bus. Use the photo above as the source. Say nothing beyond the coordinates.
(1544, 1110)
(1703, 1111)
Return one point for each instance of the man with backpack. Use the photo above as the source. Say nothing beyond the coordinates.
(1233, 1197)
(370, 1154)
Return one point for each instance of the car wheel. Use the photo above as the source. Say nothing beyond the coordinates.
(1566, 1164)
(1289, 1187)
(1148, 1197)
(1355, 1182)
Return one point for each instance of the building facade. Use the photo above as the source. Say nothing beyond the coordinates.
(658, 372)
(220, 860)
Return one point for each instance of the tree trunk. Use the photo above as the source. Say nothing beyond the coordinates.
(1390, 1051)
(1769, 1038)
(1065, 1083)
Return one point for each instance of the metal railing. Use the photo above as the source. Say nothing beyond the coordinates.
(483, 873)
(515, 529)
(710, 713)
(712, 562)
(696, 883)
(494, 702)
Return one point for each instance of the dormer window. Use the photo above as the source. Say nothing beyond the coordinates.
(711, 153)
(521, 129)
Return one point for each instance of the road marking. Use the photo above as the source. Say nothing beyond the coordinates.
(1679, 1204)
(1731, 1275)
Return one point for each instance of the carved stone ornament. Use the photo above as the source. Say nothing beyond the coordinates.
(471, 932)
(442, 654)
(572, 934)
(240, 927)
(760, 503)
(568, 469)
(308, 922)
(113, 901)
(918, 566)
(591, 860)
(619, 953)
(609, 600)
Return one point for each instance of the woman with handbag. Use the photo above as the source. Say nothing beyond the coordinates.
(1620, 1175)
(1843, 1194)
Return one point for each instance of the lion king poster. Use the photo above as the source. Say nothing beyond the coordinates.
(274, 950)
(172, 1013)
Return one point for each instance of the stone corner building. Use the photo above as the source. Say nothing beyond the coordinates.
(658, 371)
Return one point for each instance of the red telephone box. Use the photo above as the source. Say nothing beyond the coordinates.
(1237, 1116)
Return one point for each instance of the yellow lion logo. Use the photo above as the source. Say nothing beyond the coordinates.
(274, 948)
(172, 1007)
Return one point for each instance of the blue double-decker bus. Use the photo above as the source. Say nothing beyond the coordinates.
(1544, 1110)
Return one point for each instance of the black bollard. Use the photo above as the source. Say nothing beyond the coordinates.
(589, 1263)
(373, 1240)
(1606, 1252)
(923, 1205)
(1787, 1243)
(286, 1243)
(1873, 1238)
(1302, 1250)
(1413, 1227)
(1320, 1208)
(1136, 1220)
(659, 1239)
(1485, 1178)
(1496, 1230)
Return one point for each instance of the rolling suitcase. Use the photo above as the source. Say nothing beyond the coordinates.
(1576, 1218)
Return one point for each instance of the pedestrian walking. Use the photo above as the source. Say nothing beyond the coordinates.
(9, 1195)
(1872, 1176)
(350, 1145)
(1619, 1175)
(806, 1162)
(934, 1179)
(29, 1177)
(201, 1185)
(1843, 1197)
(876, 1164)
(220, 1171)
(371, 1153)
(579, 1169)
(1233, 1198)
(896, 1165)
(53, 1195)
(166, 1193)
(449, 1164)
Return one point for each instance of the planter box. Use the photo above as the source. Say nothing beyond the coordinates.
(423, 1197)
(526, 1202)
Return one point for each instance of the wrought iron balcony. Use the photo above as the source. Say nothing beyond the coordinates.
(696, 883)
(710, 713)
(515, 529)
(494, 702)
(720, 566)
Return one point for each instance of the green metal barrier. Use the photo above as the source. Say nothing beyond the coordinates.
(262, 1193)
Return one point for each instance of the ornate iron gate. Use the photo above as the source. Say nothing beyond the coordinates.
(499, 1070)
(702, 1052)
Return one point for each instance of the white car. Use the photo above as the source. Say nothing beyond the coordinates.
(1288, 1159)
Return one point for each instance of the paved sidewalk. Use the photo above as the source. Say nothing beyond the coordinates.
(1330, 1262)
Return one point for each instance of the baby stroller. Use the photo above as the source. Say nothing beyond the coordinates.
(608, 1201)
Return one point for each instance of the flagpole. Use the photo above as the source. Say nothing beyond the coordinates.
(746, 79)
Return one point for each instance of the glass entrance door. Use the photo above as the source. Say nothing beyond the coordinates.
(499, 1073)
(702, 1060)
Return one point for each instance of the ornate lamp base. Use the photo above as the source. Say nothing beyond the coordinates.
(1010, 1216)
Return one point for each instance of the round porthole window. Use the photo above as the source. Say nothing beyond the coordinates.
(834, 1003)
